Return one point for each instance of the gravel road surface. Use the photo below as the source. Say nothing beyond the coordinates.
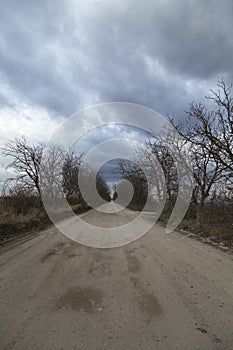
(160, 292)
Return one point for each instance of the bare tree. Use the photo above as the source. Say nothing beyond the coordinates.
(206, 172)
(70, 171)
(211, 134)
(159, 156)
(133, 173)
(26, 159)
(51, 173)
(213, 129)
(93, 186)
(205, 168)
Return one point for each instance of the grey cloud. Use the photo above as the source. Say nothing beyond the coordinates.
(4, 101)
(66, 55)
(103, 133)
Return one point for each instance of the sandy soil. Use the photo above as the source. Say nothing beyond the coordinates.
(160, 292)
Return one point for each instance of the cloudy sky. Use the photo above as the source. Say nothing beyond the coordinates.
(57, 57)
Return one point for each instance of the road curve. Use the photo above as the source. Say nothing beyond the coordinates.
(160, 292)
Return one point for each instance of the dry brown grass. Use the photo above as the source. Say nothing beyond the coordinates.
(28, 218)
(214, 222)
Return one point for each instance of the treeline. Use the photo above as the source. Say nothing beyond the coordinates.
(210, 133)
(42, 172)
(206, 138)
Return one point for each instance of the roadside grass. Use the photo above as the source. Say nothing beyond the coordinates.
(212, 222)
(12, 225)
(22, 219)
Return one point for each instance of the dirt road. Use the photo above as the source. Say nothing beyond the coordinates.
(160, 292)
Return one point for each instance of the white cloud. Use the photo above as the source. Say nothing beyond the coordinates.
(33, 122)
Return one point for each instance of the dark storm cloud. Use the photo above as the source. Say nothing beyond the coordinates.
(114, 131)
(65, 55)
